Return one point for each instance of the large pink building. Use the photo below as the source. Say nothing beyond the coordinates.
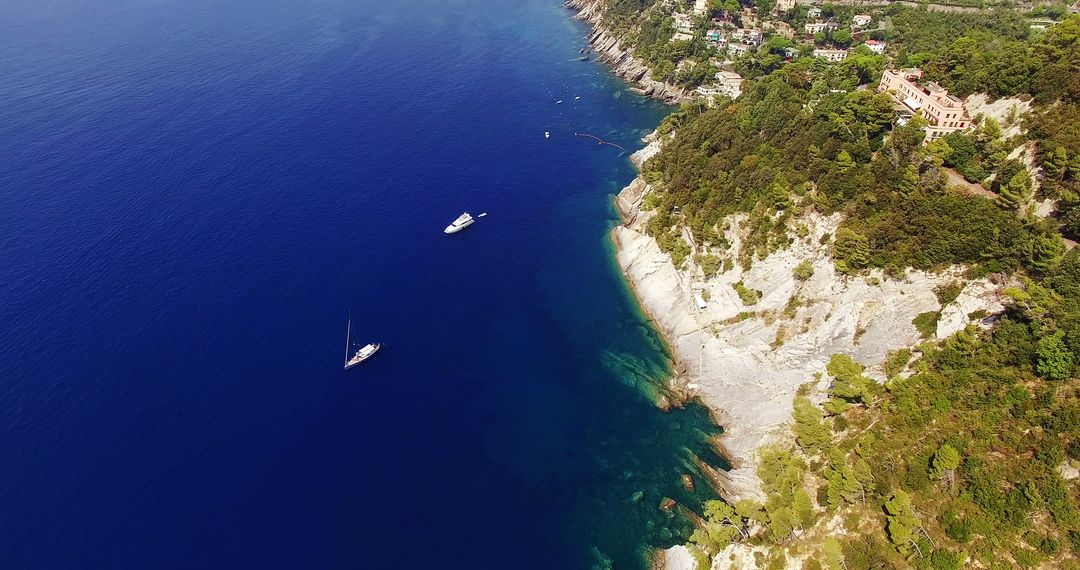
(944, 113)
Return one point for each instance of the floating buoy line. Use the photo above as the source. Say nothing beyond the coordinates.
(600, 140)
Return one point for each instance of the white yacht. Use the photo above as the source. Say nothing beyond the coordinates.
(365, 352)
(463, 221)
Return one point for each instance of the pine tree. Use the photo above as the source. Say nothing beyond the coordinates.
(1074, 166)
(1016, 192)
(781, 521)
(938, 152)
(844, 161)
(719, 530)
(1046, 252)
(850, 487)
(804, 509)
(902, 521)
(750, 509)
(842, 482)
(1055, 164)
(810, 431)
(1055, 360)
(834, 556)
(780, 194)
(834, 487)
(851, 250)
(848, 382)
(944, 463)
(862, 472)
(909, 180)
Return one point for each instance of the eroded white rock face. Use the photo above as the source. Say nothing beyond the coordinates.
(649, 150)
(747, 370)
(1007, 111)
(679, 558)
(742, 556)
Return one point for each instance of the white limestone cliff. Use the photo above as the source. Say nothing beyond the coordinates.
(747, 368)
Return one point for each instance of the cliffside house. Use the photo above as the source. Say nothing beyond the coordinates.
(715, 38)
(747, 36)
(735, 50)
(700, 7)
(876, 46)
(832, 55)
(684, 23)
(861, 20)
(813, 12)
(819, 27)
(730, 83)
(944, 113)
(684, 28)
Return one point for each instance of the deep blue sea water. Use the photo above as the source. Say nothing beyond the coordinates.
(193, 194)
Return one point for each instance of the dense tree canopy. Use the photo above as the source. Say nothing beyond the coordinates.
(955, 461)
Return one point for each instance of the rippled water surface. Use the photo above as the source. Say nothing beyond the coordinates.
(192, 196)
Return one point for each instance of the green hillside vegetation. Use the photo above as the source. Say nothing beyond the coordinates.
(789, 145)
(955, 464)
(955, 460)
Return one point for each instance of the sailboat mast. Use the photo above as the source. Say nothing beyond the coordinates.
(348, 331)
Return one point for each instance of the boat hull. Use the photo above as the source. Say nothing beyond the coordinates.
(453, 229)
(359, 359)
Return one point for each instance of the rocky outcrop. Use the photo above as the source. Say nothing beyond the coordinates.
(610, 49)
(745, 362)
(678, 558)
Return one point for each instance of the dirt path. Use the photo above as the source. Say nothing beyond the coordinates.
(956, 179)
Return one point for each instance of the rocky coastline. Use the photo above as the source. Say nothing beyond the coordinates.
(610, 50)
(745, 363)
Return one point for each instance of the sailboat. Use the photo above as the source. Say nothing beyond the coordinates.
(365, 352)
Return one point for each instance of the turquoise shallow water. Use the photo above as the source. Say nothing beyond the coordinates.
(195, 193)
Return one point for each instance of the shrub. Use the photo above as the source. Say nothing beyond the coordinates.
(896, 361)
(748, 296)
(945, 560)
(1055, 361)
(804, 271)
(948, 292)
(710, 264)
(926, 323)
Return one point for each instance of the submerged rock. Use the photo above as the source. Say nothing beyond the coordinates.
(688, 482)
(668, 504)
(637, 496)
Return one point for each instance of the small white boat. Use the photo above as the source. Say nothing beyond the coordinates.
(463, 221)
(365, 352)
(547, 134)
